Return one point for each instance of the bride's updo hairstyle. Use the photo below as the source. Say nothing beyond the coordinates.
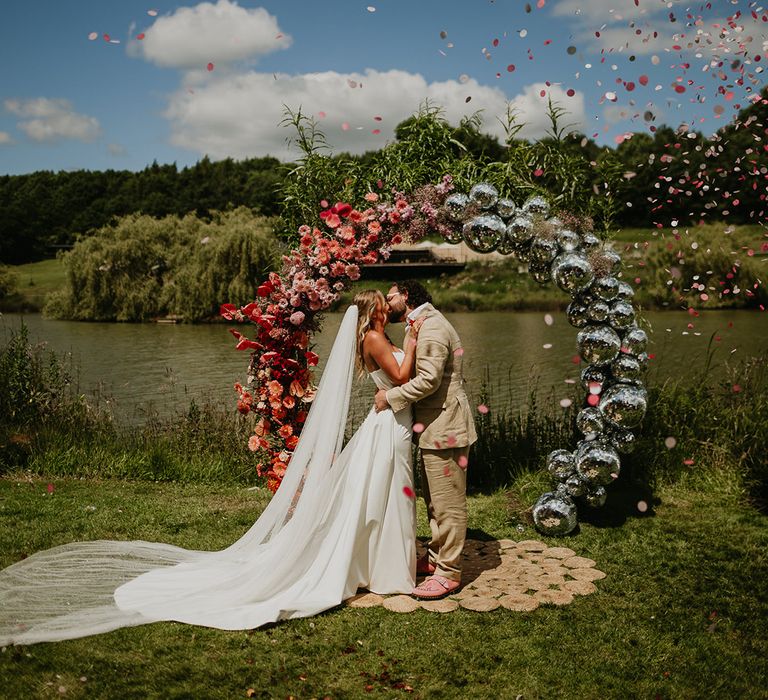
(368, 303)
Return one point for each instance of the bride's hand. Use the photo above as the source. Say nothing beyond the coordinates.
(417, 324)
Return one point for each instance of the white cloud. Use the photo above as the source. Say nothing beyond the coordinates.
(623, 26)
(218, 33)
(238, 115)
(115, 149)
(5, 138)
(51, 119)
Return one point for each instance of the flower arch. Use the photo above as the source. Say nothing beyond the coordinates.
(560, 249)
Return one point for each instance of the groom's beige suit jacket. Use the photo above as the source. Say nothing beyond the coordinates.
(436, 392)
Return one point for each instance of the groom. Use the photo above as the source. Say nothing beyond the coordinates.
(441, 406)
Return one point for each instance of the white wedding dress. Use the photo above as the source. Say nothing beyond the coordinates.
(340, 521)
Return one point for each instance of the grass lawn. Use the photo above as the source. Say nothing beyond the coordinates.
(682, 613)
(35, 281)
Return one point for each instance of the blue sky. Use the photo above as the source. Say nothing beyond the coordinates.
(70, 102)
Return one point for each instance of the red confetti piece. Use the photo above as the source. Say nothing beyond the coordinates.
(511, 68)
(593, 399)
(538, 172)
(736, 388)
(687, 462)
(375, 132)
(408, 491)
(50, 488)
(105, 37)
(210, 67)
(140, 37)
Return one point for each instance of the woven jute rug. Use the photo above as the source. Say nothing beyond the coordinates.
(518, 576)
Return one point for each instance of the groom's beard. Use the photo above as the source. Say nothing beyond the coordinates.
(397, 316)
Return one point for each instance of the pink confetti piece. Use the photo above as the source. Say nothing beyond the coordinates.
(736, 388)
(670, 442)
(462, 461)
(458, 352)
(418, 427)
(688, 462)
(593, 399)
(50, 488)
(642, 506)
(93, 36)
(375, 132)
(152, 13)
(548, 319)
(408, 492)
(371, 8)
(345, 126)
(565, 403)
(482, 408)
(451, 441)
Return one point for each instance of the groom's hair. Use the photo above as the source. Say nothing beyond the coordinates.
(417, 295)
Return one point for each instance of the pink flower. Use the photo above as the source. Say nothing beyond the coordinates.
(254, 443)
(333, 221)
(338, 269)
(374, 227)
(353, 272)
(371, 197)
(297, 318)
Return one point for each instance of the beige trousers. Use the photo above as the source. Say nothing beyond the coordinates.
(444, 484)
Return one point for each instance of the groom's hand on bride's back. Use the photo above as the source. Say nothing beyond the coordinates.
(380, 400)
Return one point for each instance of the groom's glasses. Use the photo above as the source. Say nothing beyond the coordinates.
(390, 297)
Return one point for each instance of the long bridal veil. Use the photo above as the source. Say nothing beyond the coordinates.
(86, 588)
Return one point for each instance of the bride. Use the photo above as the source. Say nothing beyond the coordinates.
(341, 520)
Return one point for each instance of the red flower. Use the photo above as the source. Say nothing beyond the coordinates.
(312, 358)
(342, 209)
(227, 311)
(264, 290)
(285, 431)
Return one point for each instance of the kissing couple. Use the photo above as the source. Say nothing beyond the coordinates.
(343, 518)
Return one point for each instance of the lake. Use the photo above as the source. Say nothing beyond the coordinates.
(147, 369)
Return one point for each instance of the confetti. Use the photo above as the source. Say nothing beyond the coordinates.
(371, 8)
(418, 427)
(50, 488)
(642, 506)
(408, 491)
(462, 461)
(152, 13)
(93, 36)
(210, 67)
(482, 408)
(548, 319)
(565, 403)
(670, 442)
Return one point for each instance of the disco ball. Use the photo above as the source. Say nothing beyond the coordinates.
(589, 421)
(455, 205)
(484, 195)
(606, 288)
(483, 233)
(598, 345)
(577, 314)
(536, 206)
(598, 463)
(506, 208)
(622, 314)
(520, 229)
(569, 241)
(554, 514)
(635, 341)
(597, 311)
(572, 272)
(624, 405)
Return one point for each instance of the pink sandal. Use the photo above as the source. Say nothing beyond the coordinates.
(435, 587)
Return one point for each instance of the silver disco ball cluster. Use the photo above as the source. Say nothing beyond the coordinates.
(609, 339)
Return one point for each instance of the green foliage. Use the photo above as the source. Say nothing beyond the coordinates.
(9, 280)
(712, 256)
(428, 147)
(34, 383)
(141, 267)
